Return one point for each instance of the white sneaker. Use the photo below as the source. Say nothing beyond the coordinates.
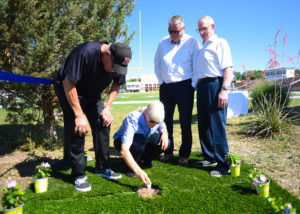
(81, 184)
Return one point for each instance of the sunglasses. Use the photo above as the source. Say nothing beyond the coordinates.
(175, 31)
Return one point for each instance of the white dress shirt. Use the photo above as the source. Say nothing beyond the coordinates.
(212, 59)
(174, 62)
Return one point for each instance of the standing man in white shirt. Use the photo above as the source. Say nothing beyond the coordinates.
(174, 70)
(213, 74)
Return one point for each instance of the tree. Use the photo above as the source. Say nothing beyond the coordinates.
(37, 36)
(297, 72)
(256, 75)
(252, 75)
(133, 80)
(237, 75)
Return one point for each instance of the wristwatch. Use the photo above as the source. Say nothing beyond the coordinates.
(226, 87)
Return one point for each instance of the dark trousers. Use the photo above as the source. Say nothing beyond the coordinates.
(212, 121)
(73, 143)
(182, 95)
(143, 148)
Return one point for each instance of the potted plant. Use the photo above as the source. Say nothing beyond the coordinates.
(41, 174)
(279, 207)
(12, 198)
(261, 182)
(234, 162)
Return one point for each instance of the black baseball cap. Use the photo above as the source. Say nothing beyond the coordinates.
(121, 54)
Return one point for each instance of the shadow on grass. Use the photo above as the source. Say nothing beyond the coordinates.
(243, 190)
(59, 171)
(294, 114)
(112, 151)
(191, 163)
(13, 136)
(132, 187)
(26, 168)
(66, 177)
(240, 124)
(194, 120)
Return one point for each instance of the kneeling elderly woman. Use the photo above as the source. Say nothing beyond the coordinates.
(142, 136)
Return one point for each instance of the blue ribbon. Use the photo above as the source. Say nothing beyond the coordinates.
(19, 78)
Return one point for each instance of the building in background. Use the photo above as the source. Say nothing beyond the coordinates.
(279, 74)
(132, 87)
(146, 83)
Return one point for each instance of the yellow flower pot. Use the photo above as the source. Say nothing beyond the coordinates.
(17, 210)
(235, 170)
(263, 189)
(41, 185)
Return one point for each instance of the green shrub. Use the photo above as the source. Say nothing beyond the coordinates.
(270, 117)
(265, 92)
(269, 102)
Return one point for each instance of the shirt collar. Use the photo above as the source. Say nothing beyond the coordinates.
(211, 39)
(144, 123)
(183, 38)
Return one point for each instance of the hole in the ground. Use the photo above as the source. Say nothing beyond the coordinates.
(149, 193)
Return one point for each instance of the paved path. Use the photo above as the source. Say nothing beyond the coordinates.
(147, 101)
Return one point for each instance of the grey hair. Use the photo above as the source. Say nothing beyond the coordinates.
(206, 19)
(156, 111)
(141, 109)
(176, 20)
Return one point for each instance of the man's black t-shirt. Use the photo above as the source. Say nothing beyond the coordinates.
(84, 67)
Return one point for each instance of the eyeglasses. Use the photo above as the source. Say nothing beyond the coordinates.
(175, 31)
(202, 29)
(154, 122)
(150, 121)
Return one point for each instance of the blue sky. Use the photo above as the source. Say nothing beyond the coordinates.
(249, 26)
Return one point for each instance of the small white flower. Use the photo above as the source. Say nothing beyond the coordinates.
(11, 184)
(263, 178)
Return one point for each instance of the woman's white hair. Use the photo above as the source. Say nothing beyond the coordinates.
(156, 111)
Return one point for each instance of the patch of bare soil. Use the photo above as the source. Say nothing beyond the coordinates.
(279, 159)
(8, 169)
(19, 166)
(149, 193)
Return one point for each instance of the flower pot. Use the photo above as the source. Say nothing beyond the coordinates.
(263, 189)
(235, 170)
(41, 185)
(17, 210)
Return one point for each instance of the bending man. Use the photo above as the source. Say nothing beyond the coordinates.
(87, 71)
(137, 139)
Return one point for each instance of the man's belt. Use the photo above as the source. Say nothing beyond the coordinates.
(209, 79)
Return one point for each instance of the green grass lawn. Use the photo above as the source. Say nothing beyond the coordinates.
(3, 113)
(137, 96)
(294, 94)
(184, 190)
(295, 102)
